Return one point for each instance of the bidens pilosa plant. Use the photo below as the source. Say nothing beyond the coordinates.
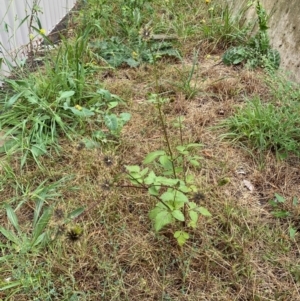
(169, 181)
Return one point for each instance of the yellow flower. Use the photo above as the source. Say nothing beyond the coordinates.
(31, 36)
(207, 1)
(208, 56)
(42, 31)
(78, 107)
(202, 21)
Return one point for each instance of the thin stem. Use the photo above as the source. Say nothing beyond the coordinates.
(167, 139)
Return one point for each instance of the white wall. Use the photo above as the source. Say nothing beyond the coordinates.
(14, 38)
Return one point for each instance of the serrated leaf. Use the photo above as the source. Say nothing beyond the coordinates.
(181, 197)
(166, 162)
(181, 237)
(178, 205)
(183, 188)
(203, 211)
(144, 172)
(177, 214)
(168, 195)
(166, 181)
(194, 216)
(150, 179)
(153, 213)
(153, 190)
(192, 224)
(133, 168)
(162, 219)
(192, 205)
(152, 156)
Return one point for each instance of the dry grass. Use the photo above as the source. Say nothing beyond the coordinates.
(242, 253)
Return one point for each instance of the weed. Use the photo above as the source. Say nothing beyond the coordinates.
(116, 53)
(190, 90)
(256, 52)
(172, 187)
(266, 126)
(279, 212)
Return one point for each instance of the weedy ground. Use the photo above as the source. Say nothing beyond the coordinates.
(110, 250)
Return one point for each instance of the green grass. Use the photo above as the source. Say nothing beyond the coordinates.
(73, 226)
(266, 126)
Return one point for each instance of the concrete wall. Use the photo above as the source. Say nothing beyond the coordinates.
(284, 31)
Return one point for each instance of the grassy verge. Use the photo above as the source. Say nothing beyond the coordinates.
(114, 185)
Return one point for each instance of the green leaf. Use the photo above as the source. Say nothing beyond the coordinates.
(11, 236)
(76, 213)
(178, 205)
(162, 219)
(144, 172)
(150, 179)
(279, 198)
(152, 156)
(166, 162)
(84, 112)
(153, 190)
(12, 100)
(10, 285)
(223, 181)
(168, 195)
(90, 143)
(157, 209)
(131, 62)
(12, 217)
(177, 214)
(65, 94)
(38, 207)
(181, 237)
(125, 117)
(203, 211)
(41, 225)
(192, 145)
(38, 150)
(182, 149)
(292, 232)
(192, 205)
(180, 197)
(194, 162)
(194, 216)
(111, 122)
(166, 181)
(133, 168)
(39, 240)
(295, 201)
(105, 94)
